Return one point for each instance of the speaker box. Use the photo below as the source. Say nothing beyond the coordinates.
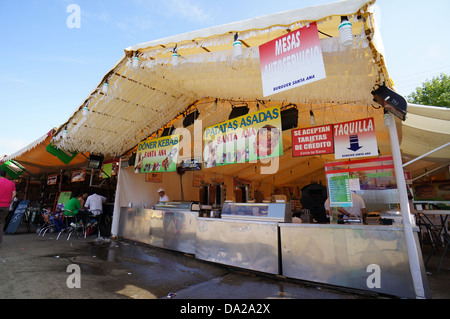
(132, 159)
(168, 131)
(190, 118)
(95, 161)
(289, 119)
(238, 111)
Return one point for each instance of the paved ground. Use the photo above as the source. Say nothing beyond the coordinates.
(34, 267)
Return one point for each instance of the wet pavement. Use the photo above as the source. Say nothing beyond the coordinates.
(34, 267)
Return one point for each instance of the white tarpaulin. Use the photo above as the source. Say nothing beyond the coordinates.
(425, 129)
(143, 99)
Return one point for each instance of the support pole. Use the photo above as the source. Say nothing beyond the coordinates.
(413, 255)
(116, 211)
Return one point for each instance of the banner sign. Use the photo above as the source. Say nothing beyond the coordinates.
(355, 139)
(12, 168)
(157, 155)
(312, 141)
(246, 138)
(65, 156)
(370, 174)
(292, 60)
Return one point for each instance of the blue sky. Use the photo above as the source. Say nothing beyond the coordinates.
(48, 69)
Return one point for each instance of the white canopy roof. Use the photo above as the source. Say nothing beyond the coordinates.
(426, 129)
(142, 101)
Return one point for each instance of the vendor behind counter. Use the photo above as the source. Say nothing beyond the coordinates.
(313, 199)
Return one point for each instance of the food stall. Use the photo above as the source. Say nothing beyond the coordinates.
(51, 175)
(259, 109)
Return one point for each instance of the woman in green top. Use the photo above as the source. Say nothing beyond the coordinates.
(72, 206)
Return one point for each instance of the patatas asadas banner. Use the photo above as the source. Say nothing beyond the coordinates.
(244, 139)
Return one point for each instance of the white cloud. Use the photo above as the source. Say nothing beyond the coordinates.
(150, 14)
(189, 10)
(59, 59)
(8, 79)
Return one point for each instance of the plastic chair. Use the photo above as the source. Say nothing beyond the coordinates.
(73, 226)
(431, 237)
(48, 224)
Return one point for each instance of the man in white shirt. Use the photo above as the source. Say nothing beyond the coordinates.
(162, 195)
(95, 204)
(358, 210)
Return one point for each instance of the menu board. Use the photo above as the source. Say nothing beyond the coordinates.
(63, 199)
(17, 217)
(339, 190)
(246, 138)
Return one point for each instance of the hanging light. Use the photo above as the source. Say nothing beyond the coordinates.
(135, 64)
(237, 48)
(175, 57)
(386, 118)
(85, 110)
(312, 118)
(105, 87)
(64, 132)
(345, 32)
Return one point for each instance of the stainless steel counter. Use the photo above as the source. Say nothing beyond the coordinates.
(174, 230)
(372, 258)
(245, 244)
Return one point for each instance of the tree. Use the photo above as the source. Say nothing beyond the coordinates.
(433, 93)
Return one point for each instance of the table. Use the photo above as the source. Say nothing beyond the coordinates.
(442, 230)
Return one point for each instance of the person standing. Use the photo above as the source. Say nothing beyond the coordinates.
(357, 210)
(162, 195)
(7, 195)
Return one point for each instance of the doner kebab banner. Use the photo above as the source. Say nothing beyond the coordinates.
(157, 155)
(243, 139)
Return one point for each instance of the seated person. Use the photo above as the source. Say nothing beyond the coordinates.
(73, 208)
(56, 219)
(95, 204)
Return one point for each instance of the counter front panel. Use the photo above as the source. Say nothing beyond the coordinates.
(243, 244)
(372, 258)
(165, 229)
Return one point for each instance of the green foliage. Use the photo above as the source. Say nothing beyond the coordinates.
(433, 93)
